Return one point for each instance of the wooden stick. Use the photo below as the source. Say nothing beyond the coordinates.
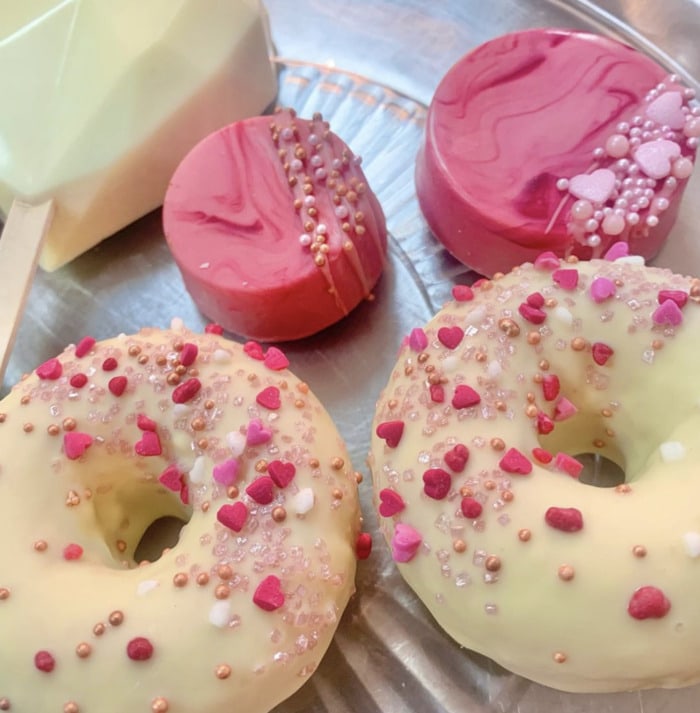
(20, 245)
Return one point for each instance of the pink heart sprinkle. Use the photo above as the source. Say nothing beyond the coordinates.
(541, 455)
(391, 432)
(568, 464)
(566, 278)
(262, 490)
(405, 542)
(564, 409)
(678, 296)
(545, 424)
(437, 393)
(144, 423)
(471, 508)
(188, 353)
(617, 250)
(226, 472)
(436, 483)
(667, 109)
(281, 473)
(233, 515)
(186, 391)
(564, 519)
(655, 157)
(535, 299)
(417, 340)
(465, 397)
(532, 314)
(550, 386)
(257, 433)
(254, 350)
(668, 313)
(50, 370)
(213, 328)
(515, 462)
(601, 353)
(275, 359)
(363, 545)
(457, 457)
(72, 552)
(75, 444)
(596, 187)
(268, 594)
(450, 336)
(117, 385)
(462, 293)
(648, 603)
(391, 503)
(149, 445)
(547, 261)
(602, 289)
(269, 398)
(171, 478)
(84, 346)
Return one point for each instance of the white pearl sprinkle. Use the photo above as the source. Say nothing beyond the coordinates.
(303, 501)
(672, 451)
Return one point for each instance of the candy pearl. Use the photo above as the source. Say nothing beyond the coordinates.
(598, 152)
(621, 203)
(652, 221)
(320, 173)
(637, 120)
(341, 212)
(296, 165)
(660, 204)
(582, 210)
(321, 229)
(689, 93)
(671, 183)
(623, 164)
(305, 239)
(692, 143)
(598, 216)
(682, 168)
(592, 225)
(632, 218)
(636, 132)
(692, 127)
(562, 184)
(316, 161)
(309, 201)
(635, 141)
(314, 139)
(623, 127)
(337, 164)
(287, 134)
(643, 202)
(613, 224)
(593, 241)
(617, 145)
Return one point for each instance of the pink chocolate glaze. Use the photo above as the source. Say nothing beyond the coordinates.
(235, 213)
(517, 115)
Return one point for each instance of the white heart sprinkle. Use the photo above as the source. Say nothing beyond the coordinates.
(655, 157)
(303, 501)
(672, 451)
(691, 540)
(476, 316)
(667, 109)
(596, 187)
(220, 614)
(222, 356)
(449, 363)
(630, 260)
(563, 315)
(198, 470)
(235, 440)
(494, 369)
(148, 585)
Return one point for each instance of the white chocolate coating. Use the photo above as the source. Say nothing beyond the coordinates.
(609, 605)
(251, 422)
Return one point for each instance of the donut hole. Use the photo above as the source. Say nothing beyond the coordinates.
(162, 534)
(585, 438)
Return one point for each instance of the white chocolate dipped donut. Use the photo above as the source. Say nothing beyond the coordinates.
(110, 437)
(480, 493)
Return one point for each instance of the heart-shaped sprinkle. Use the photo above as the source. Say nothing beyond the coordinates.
(213, 328)
(188, 353)
(617, 250)
(275, 359)
(303, 501)
(139, 649)
(269, 398)
(77, 381)
(457, 457)
(667, 110)
(144, 423)
(149, 445)
(417, 340)
(462, 293)
(678, 296)
(405, 542)
(262, 490)
(602, 289)
(596, 187)
(465, 397)
(541, 455)
(436, 483)
(601, 353)
(75, 444)
(268, 594)
(515, 462)
(390, 503)
(547, 261)
(363, 546)
(564, 519)
(72, 552)
(471, 508)
(437, 393)
(668, 313)
(109, 364)
(568, 464)
(391, 432)
(450, 336)
(186, 391)
(226, 473)
(648, 603)
(117, 385)
(535, 299)
(566, 278)
(564, 409)
(50, 370)
(84, 346)
(545, 424)
(44, 661)
(550, 386)
(257, 433)
(655, 158)
(532, 314)
(233, 515)
(254, 350)
(282, 473)
(171, 478)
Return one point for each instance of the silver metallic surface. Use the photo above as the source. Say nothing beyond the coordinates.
(388, 655)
